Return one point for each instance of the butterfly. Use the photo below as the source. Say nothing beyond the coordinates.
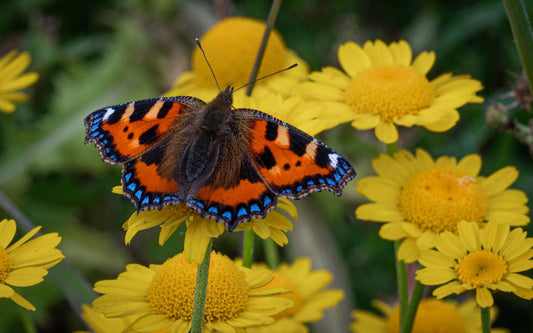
(228, 164)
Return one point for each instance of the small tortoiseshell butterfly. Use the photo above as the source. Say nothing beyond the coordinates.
(228, 164)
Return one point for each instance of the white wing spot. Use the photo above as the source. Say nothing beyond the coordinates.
(108, 112)
(333, 159)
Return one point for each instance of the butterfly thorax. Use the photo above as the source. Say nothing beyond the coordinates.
(213, 137)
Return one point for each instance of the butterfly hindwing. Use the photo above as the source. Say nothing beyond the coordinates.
(293, 163)
(123, 132)
(143, 184)
(250, 198)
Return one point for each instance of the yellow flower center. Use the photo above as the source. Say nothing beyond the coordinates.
(438, 198)
(171, 291)
(389, 91)
(481, 268)
(280, 281)
(231, 47)
(432, 316)
(5, 265)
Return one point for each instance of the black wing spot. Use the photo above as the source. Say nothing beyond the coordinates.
(299, 163)
(322, 156)
(266, 158)
(286, 166)
(126, 129)
(117, 114)
(149, 136)
(130, 136)
(141, 108)
(271, 131)
(164, 110)
(298, 141)
(154, 155)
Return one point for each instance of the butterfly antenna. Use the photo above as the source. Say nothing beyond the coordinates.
(208, 64)
(266, 76)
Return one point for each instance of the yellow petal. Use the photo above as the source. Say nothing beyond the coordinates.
(331, 76)
(401, 52)
(424, 61)
(22, 302)
(25, 277)
(366, 121)
(386, 132)
(379, 189)
(353, 59)
(379, 53)
(408, 251)
(392, 231)
(471, 164)
(469, 235)
(378, 212)
(484, 297)
(7, 232)
(499, 181)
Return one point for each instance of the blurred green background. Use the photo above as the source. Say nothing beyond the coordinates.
(90, 54)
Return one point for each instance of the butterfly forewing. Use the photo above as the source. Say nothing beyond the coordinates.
(293, 163)
(123, 132)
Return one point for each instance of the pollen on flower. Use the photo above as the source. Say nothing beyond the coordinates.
(171, 291)
(481, 268)
(5, 265)
(438, 198)
(231, 47)
(389, 91)
(432, 316)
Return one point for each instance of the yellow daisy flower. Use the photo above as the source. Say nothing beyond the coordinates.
(11, 68)
(162, 296)
(382, 87)
(25, 262)
(480, 259)
(231, 47)
(308, 294)
(433, 315)
(418, 198)
(200, 230)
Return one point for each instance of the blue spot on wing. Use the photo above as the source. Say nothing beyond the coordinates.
(138, 194)
(146, 200)
(213, 209)
(254, 208)
(242, 212)
(228, 215)
(132, 187)
(127, 176)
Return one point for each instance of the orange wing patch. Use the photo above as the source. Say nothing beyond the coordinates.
(234, 205)
(144, 186)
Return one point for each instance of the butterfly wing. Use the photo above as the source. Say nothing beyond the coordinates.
(123, 132)
(249, 198)
(293, 163)
(144, 185)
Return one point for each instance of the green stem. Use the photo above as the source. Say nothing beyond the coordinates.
(271, 253)
(200, 293)
(401, 281)
(272, 16)
(410, 314)
(485, 319)
(523, 35)
(248, 248)
(27, 322)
